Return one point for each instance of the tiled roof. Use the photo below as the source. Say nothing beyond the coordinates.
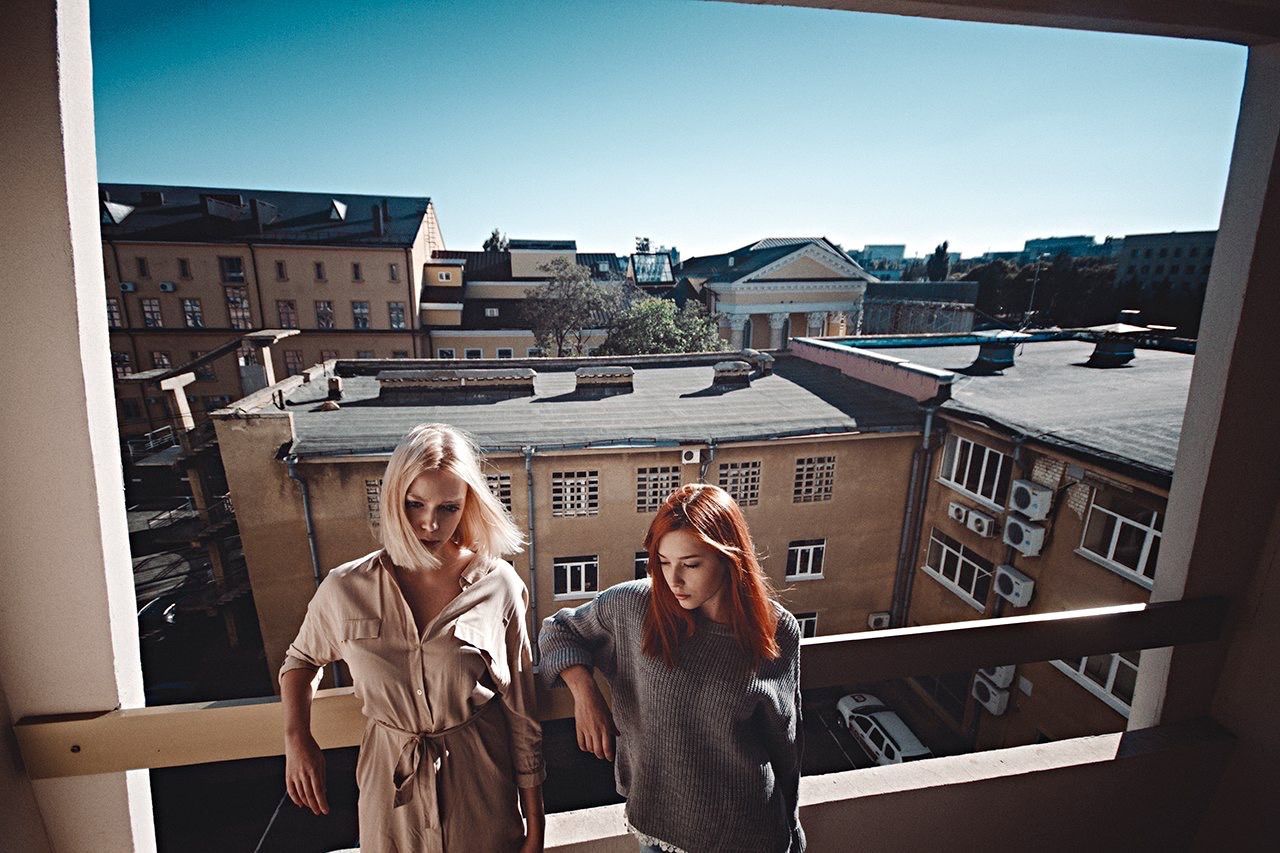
(752, 257)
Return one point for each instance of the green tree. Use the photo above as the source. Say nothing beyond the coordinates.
(647, 324)
(938, 264)
(497, 242)
(560, 312)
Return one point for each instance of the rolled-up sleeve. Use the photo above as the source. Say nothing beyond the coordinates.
(578, 636)
(316, 643)
(521, 701)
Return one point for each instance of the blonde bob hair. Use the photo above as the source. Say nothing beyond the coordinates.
(486, 527)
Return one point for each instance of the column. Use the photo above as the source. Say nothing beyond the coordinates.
(817, 323)
(735, 330)
(776, 322)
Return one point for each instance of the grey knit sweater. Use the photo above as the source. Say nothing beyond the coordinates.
(708, 753)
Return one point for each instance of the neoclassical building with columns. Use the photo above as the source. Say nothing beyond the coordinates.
(766, 292)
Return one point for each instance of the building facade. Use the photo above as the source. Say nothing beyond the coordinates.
(1177, 260)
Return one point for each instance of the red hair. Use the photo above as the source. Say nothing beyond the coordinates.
(710, 514)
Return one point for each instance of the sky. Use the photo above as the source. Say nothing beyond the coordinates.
(702, 125)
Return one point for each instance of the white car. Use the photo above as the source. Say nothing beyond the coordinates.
(879, 730)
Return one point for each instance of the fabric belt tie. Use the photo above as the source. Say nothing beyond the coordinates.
(420, 758)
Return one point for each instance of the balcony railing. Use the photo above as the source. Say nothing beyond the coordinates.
(157, 439)
(179, 509)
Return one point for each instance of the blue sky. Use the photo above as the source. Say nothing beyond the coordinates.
(700, 124)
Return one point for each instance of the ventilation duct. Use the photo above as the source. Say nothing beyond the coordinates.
(444, 387)
(732, 374)
(604, 381)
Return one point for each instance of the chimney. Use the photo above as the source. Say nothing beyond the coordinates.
(379, 221)
(335, 387)
(442, 387)
(996, 351)
(732, 374)
(603, 381)
(1112, 352)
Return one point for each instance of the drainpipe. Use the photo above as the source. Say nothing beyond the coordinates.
(711, 455)
(912, 519)
(292, 462)
(411, 308)
(533, 554)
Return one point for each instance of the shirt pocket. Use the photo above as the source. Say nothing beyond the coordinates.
(487, 634)
(361, 629)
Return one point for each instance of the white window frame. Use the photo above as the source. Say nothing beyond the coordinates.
(806, 553)
(742, 481)
(152, 313)
(115, 319)
(479, 352)
(505, 352)
(491, 312)
(585, 565)
(444, 276)
(1151, 533)
(1101, 691)
(446, 352)
(954, 450)
(575, 494)
(808, 624)
(962, 556)
(534, 352)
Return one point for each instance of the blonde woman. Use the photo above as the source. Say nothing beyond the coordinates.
(432, 627)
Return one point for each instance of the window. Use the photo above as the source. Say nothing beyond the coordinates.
(121, 364)
(950, 691)
(1177, 251)
(319, 269)
(1147, 253)
(282, 271)
(804, 559)
(357, 272)
(324, 314)
(204, 372)
(577, 577)
(292, 362)
(444, 276)
(161, 360)
(959, 569)
(500, 488)
(654, 484)
(1122, 535)
(238, 308)
(232, 270)
(393, 272)
(445, 352)
(144, 269)
(642, 565)
(815, 477)
(114, 320)
(534, 352)
(365, 353)
(491, 312)
(1175, 269)
(473, 353)
(247, 353)
(360, 314)
(399, 353)
(151, 316)
(395, 310)
(288, 311)
(976, 470)
(192, 315)
(372, 495)
(328, 354)
(184, 268)
(216, 401)
(1164, 253)
(505, 352)
(808, 624)
(575, 493)
(742, 481)
(130, 410)
(1109, 677)
(1159, 269)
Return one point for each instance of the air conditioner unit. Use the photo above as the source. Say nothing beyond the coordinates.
(995, 700)
(167, 287)
(127, 287)
(981, 523)
(691, 456)
(1013, 586)
(1031, 499)
(1027, 537)
(957, 512)
(1000, 676)
(878, 621)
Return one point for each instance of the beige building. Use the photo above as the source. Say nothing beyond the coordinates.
(189, 269)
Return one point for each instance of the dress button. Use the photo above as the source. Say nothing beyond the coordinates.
(419, 691)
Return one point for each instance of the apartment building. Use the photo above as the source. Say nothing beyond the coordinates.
(583, 451)
(1179, 260)
(189, 269)
(917, 308)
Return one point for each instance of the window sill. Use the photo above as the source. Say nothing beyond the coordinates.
(1115, 568)
(790, 578)
(574, 596)
(978, 499)
(1113, 702)
(955, 590)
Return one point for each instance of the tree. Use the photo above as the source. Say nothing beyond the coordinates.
(914, 271)
(648, 324)
(560, 312)
(938, 264)
(497, 242)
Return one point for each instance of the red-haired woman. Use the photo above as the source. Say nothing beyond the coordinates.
(704, 669)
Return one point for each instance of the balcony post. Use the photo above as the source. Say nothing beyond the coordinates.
(68, 627)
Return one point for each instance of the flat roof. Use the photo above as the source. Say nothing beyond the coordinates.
(668, 405)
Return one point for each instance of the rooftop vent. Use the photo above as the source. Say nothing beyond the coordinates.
(1115, 344)
(224, 206)
(152, 198)
(604, 381)
(996, 351)
(338, 210)
(263, 213)
(732, 374)
(444, 387)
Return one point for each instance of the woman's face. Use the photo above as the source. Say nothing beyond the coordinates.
(695, 572)
(434, 506)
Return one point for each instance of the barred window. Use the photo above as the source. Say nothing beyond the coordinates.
(372, 494)
(114, 320)
(575, 493)
(151, 316)
(964, 572)
(238, 308)
(577, 577)
(805, 558)
(500, 488)
(815, 478)
(742, 481)
(292, 362)
(654, 484)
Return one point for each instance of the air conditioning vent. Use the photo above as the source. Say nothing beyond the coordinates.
(1031, 499)
(995, 700)
(128, 287)
(999, 676)
(1013, 586)
(168, 287)
(878, 621)
(981, 524)
(957, 512)
(1025, 536)
(691, 456)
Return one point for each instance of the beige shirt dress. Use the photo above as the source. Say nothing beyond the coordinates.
(440, 760)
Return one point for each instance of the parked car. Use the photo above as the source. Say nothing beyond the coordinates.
(879, 730)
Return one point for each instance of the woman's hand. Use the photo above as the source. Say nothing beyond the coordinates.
(596, 730)
(304, 773)
(533, 842)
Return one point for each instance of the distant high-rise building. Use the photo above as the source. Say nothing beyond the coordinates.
(1179, 259)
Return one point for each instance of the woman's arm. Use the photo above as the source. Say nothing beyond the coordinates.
(784, 725)
(591, 714)
(535, 819)
(303, 761)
